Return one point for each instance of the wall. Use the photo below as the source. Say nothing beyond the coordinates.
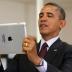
(11, 12)
(14, 11)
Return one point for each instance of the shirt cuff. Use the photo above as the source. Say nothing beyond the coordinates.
(43, 67)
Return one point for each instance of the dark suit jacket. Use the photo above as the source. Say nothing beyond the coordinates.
(1, 68)
(59, 59)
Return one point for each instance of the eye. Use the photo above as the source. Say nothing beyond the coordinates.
(41, 15)
(50, 15)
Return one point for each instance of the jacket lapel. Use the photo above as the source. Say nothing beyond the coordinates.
(54, 50)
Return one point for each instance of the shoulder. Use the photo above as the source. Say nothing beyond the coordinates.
(67, 47)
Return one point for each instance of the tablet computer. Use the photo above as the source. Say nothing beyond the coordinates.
(11, 37)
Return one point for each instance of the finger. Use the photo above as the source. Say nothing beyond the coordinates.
(24, 51)
(31, 38)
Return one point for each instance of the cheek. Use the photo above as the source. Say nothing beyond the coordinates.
(53, 25)
(54, 28)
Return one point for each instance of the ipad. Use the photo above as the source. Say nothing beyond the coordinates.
(11, 37)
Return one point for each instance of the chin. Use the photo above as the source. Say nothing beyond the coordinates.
(43, 33)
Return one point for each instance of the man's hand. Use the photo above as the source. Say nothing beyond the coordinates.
(29, 47)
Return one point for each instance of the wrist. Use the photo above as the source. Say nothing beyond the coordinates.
(41, 63)
(38, 61)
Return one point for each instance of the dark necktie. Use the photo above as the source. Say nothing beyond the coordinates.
(43, 50)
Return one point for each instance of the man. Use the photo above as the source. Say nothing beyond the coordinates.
(58, 56)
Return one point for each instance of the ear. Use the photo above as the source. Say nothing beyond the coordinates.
(62, 23)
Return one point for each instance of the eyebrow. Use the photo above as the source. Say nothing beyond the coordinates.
(49, 13)
(41, 13)
(46, 12)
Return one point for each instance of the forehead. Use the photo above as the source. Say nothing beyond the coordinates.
(50, 8)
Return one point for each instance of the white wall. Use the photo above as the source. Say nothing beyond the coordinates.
(11, 12)
(14, 11)
(31, 19)
(66, 33)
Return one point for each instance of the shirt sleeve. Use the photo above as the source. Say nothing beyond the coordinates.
(43, 67)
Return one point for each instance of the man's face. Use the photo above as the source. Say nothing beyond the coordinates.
(49, 22)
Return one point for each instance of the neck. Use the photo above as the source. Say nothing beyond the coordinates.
(48, 37)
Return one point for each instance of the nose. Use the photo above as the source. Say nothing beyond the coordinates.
(43, 18)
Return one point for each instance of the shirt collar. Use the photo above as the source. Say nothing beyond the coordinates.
(49, 42)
